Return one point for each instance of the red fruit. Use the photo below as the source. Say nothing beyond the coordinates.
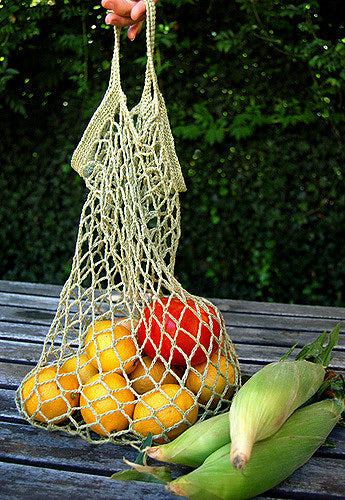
(168, 321)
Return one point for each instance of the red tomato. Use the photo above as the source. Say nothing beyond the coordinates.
(169, 321)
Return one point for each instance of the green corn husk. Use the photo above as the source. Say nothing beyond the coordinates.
(272, 461)
(264, 403)
(195, 444)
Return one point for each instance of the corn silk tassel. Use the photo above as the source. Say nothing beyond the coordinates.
(272, 461)
(270, 396)
(194, 445)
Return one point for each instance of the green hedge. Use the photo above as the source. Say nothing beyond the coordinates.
(255, 96)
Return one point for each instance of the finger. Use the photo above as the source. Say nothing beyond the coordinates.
(118, 21)
(139, 10)
(134, 30)
(120, 7)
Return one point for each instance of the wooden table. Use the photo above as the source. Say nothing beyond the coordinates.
(38, 464)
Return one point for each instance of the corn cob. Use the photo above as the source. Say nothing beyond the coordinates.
(196, 443)
(273, 459)
(264, 403)
(301, 377)
(268, 398)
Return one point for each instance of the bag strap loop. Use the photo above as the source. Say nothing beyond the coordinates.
(150, 74)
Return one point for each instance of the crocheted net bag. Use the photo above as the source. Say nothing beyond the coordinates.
(129, 351)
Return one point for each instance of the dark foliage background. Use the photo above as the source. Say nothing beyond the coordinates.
(255, 96)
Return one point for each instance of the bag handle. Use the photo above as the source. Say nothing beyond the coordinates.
(150, 74)
(116, 98)
(150, 84)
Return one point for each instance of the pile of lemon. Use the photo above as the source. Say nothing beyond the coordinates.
(114, 387)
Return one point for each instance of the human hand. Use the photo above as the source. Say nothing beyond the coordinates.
(126, 13)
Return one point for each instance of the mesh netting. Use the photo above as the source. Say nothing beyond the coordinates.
(129, 351)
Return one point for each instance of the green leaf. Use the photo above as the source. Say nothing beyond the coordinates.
(144, 473)
(188, 131)
(329, 443)
(336, 387)
(316, 352)
(140, 471)
(141, 458)
(283, 358)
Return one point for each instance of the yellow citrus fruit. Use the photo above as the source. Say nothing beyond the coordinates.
(163, 408)
(211, 380)
(106, 403)
(53, 396)
(147, 372)
(110, 346)
(81, 365)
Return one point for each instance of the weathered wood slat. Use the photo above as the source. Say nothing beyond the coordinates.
(279, 309)
(23, 331)
(24, 288)
(323, 478)
(267, 354)
(19, 351)
(32, 301)
(335, 446)
(240, 327)
(24, 481)
(319, 478)
(36, 446)
(36, 333)
(283, 338)
(11, 374)
(9, 413)
(47, 290)
(8, 408)
(27, 315)
(19, 443)
(25, 352)
(229, 309)
(272, 323)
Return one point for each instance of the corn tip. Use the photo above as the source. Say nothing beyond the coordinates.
(239, 460)
(154, 452)
(175, 489)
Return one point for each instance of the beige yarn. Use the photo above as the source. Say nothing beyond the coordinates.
(126, 245)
